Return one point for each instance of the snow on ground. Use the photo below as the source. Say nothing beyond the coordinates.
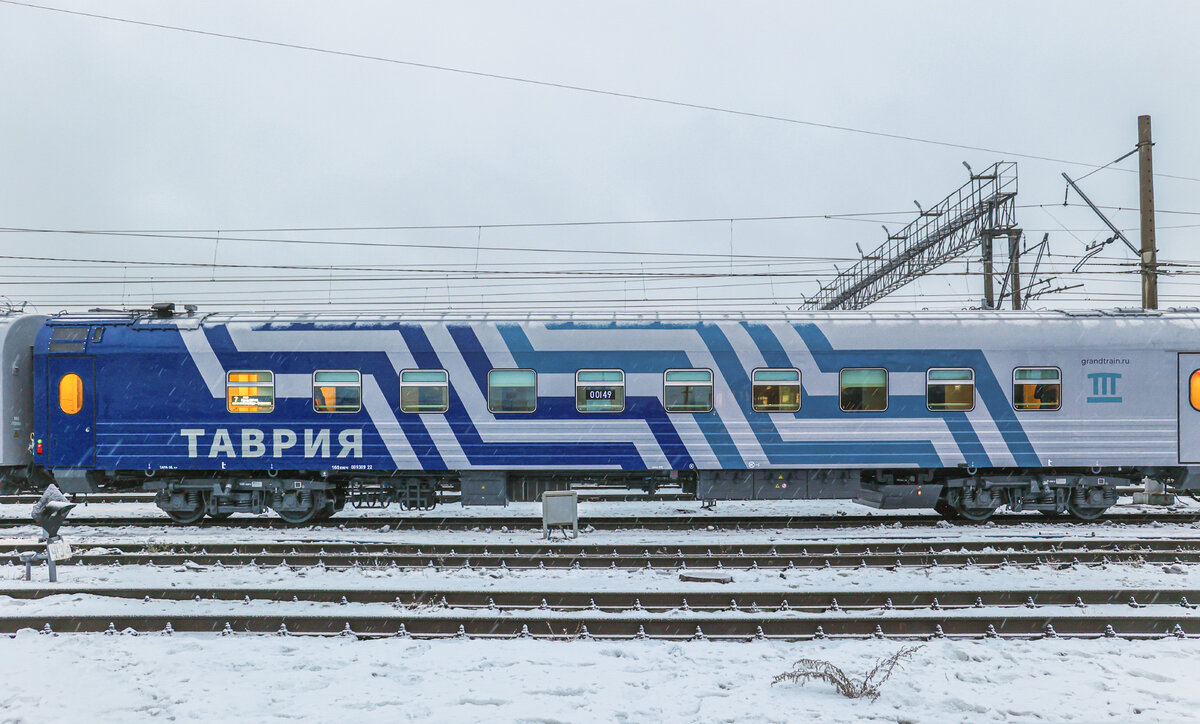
(243, 678)
(94, 678)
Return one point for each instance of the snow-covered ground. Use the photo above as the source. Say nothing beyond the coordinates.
(95, 678)
(204, 677)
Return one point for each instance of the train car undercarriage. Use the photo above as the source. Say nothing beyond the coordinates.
(302, 497)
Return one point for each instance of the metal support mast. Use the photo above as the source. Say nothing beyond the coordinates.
(1149, 254)
(980, 210)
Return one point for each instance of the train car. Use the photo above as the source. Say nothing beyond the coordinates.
(963, 412)
(17, 333)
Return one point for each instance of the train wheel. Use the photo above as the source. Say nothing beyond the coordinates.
(316, 505)
(975, 514)
(1084, 512)
(186, 517)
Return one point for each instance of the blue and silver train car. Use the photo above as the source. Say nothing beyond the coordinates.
(960, 411)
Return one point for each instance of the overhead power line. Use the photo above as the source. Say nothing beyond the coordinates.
(567, 86)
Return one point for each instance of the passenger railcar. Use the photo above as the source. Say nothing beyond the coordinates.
(962, 411)
(17, 333)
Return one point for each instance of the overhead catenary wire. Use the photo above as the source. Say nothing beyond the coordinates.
(564, 86)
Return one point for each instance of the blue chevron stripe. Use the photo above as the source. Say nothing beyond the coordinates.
(990, 391)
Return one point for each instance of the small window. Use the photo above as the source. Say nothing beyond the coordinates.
(68, 339)
(600, 390)
(776, 390)
(1194, 390)
(424, 391)
(864, 389)
(688, 390)
(97, 334)
(1037, 388)
(512, 390)
(337, 391)
(950, 389)
(250, 392)
(70, 393)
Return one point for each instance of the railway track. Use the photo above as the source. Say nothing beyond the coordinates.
(824, 554)
(742, 601)
(1036, 623)
(418, 521)
(591, 496)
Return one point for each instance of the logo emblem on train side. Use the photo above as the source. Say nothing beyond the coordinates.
(1104, 387)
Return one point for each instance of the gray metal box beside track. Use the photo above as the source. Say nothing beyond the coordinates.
(483, 487)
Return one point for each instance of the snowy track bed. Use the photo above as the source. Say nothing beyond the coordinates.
(470, 637)
(264, 678)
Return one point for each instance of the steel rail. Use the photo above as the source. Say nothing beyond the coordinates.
(1042, 545)
(548, 625)
(742, 600)
(629, 522)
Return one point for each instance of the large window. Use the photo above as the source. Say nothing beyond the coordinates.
(337, 391)
(512, 390)
(250, 391)
(688, 390)
(600, 390)
(864, 389)
(776, 390)
(950, 389)
(1037, 388)
(424, 391)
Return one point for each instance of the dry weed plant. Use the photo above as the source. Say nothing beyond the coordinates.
(867, 687)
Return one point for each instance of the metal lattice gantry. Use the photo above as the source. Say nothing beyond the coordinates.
(981, 209)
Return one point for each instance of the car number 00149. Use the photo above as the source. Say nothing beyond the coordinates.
(605, 394)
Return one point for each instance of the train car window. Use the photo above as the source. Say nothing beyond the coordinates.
(1037, 388)
(599, 390)
(776, 390)
(252, 391)
(688, 390)
(337, 391)
(424, 391)
(68, 339)
(950, 389)
(864, 389)
(97, 334)
(512, 390)
(1194, 390)
(70, 393)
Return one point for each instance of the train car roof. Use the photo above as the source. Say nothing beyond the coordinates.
(148, 318)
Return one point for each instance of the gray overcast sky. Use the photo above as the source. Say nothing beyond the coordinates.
(106, 125)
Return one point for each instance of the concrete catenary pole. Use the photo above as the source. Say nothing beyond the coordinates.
(1146, 192)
